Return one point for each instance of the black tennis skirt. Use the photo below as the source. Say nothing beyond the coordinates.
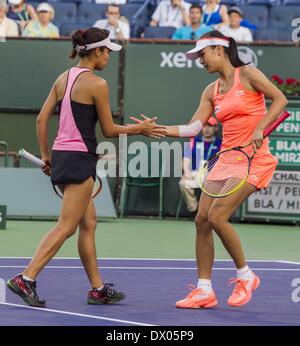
(72, 167)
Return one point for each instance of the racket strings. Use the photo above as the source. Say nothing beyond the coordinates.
(223, 173)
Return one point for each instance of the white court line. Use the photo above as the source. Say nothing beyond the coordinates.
(117, 258)
(79, 315)
(152, 259)
(288, 262)
(157, 268)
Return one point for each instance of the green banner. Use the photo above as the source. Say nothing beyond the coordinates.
(287, 150)
(161, 81)
(28, 69)
(291, 126)
(279, 202)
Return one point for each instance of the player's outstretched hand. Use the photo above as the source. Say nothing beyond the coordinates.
(149, 127)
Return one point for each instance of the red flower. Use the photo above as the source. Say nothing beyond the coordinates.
(290, 81)
(276, 78)
(290, 86)
(279, 81)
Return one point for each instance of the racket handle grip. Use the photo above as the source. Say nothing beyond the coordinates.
(276, 123)
(31, 158)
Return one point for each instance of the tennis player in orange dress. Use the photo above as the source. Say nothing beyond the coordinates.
(238, 100)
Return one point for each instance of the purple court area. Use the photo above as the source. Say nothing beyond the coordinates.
(152, 287)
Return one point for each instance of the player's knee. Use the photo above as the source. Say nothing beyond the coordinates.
(67, 230)
(89, 225)
(200, 220)
(216, 217)
(70, 232)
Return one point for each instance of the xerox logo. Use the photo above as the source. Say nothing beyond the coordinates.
(179, 60)
(248, 55)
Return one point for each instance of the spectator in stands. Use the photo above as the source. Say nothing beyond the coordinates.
(42, 27)
(8, 27)
(21, 12)
(199, 148)
(118, 26)
(196, 29)
(171, 13)
(234, 29)
(214, 14)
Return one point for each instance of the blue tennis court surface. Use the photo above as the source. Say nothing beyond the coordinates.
(152, 287)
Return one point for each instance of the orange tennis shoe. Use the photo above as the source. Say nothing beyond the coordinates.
(242, 292)
(197, 299)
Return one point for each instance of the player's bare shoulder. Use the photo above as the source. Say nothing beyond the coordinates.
(60, 84)
(249, 75)
(99, 81)
(208, 92)
(249, 72)
(63, 76)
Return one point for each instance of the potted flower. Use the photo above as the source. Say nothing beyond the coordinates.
(290, 87)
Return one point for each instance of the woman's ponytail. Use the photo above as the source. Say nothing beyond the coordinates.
(233, 54)
(84, 37)
(77, 39)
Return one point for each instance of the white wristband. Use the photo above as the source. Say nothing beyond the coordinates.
(190, 130)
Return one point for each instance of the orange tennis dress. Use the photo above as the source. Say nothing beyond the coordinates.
(239, 110)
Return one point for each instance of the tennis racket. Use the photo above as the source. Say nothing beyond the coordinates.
(227, 171)
(58, 190)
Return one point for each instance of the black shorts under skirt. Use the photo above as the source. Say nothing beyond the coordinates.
(72, 167)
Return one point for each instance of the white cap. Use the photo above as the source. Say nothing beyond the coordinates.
(193, 54)
(45, 7)
(104, 43)
(14, 2)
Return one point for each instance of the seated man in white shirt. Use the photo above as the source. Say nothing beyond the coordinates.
(119, 28)
(171, 13)
(8, 27)
(234, 29)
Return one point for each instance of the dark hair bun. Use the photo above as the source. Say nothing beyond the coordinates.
(83, 37)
